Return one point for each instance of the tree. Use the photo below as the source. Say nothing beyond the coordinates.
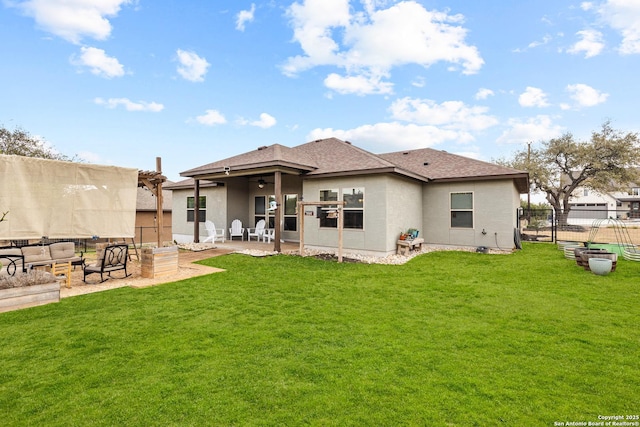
(606, 162)
(19, 142)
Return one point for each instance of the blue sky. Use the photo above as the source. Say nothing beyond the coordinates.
(121, 82)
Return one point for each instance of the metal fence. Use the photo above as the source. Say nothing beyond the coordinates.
(580, 225)
(143, 235)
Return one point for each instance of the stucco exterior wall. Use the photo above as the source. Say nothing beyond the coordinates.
(391, 205)
(494, 212)
(216, 201)
(237, 203)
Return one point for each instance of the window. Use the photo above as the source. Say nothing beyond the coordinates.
(262, 211)
(328, 196)
(353, 211)
(202, 212)
(353, 207)
(635, 191)
(585, 192)
(290, 212)
(462, 210)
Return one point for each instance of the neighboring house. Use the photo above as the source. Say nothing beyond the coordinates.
(452, 200)
(587, 205)
(146, 216)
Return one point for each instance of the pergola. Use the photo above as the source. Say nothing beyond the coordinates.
(153, 181)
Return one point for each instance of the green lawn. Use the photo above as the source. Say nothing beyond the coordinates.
(450, 338)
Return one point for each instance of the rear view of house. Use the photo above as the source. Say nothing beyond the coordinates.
(450, 199)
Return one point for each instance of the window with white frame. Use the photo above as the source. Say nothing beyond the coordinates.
(290, 212)
(353, 210)
(635, 191)
(462, 210)
(328, 196)
(202, 209)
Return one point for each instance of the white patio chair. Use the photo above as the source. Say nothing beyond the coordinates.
(236, 229)
(257, 231)
(269, 233)
(212, 232)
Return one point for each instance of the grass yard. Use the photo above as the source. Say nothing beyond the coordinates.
(450, 338)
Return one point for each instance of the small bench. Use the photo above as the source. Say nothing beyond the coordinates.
(47, 255)
(111, 258)
(403, 247)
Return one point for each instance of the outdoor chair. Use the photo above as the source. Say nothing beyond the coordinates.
(236, 229)
(269, 233)
(212, 232)
(257, 232)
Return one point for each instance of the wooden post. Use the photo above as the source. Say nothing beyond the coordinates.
(159, 203)
(301, 224)
(301, 216)
(278, 216)
(340, 228)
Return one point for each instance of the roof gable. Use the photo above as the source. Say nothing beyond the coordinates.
(334, 156)
(273, 155)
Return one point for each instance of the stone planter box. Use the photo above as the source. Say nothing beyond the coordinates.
(159, 262)
(29, 296)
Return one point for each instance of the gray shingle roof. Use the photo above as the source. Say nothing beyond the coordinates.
(333, 157)
(273, 155)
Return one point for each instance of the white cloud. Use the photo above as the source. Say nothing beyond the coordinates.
(359, 85)
(211, 118)
(585, 95)
(376, 40)
(545, 40)
(418, 82)
(591, 43)
(76, 19)
(484, 93)
(266, 121)
(586, 5)
(192, 67)
(386, 136)
(245, 16)
(533, 97)
(129, 105)
(453, 115)
(623, 16)
(98, 62)
(538, 128)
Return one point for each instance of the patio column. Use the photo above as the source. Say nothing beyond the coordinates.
(196, 211)
(278, 216)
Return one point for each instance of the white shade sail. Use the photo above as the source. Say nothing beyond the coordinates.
(60, 199)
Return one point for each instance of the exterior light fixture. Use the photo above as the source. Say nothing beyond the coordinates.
(261, 183)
